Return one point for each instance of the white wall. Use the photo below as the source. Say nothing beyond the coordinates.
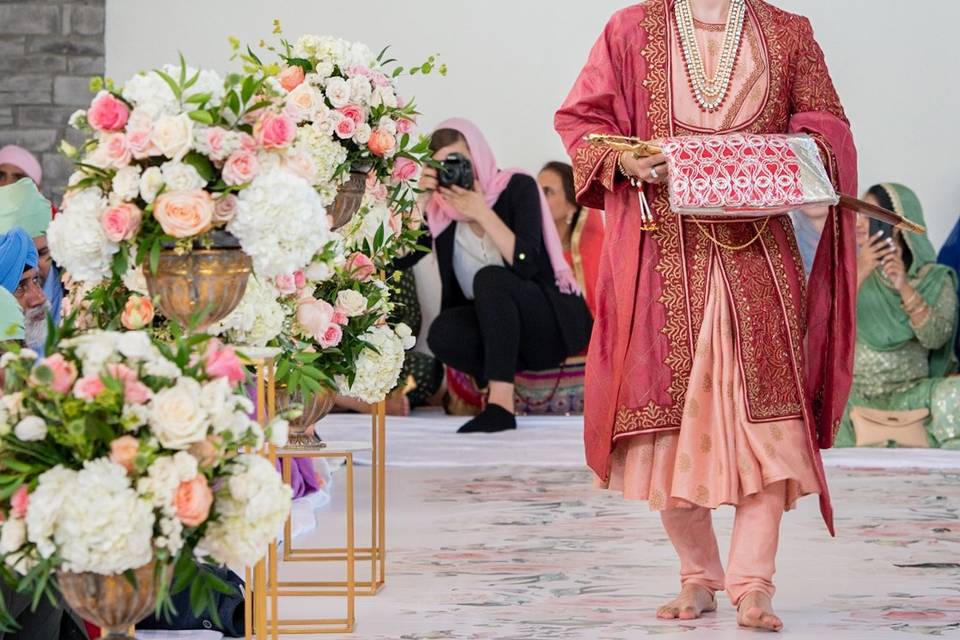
(513, 61)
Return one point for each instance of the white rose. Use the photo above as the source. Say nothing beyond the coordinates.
(302, 103)
(176, 416)
(126, 183)
(30, 429)
(360, 90)
(150, 184)
(338, 92)
(389, 125)
(318, 272)
(405, 333)
(279, 432)
(173, 135)
(362, 135)
(13, 536)
(384, 96)
(351, 302)
(181, 177)
(186, 464)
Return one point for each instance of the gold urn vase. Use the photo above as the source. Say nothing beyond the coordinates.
(111, 602)
(315, 408)
(201, 287)
(348, 200)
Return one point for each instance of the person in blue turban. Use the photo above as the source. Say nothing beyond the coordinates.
(20, 275)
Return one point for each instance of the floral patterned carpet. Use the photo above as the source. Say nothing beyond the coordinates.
(513, 551)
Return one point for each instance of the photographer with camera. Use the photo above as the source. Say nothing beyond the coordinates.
(509, 301)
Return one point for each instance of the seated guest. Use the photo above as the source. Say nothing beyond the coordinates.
(509, 299)
(20, 275)
(580, 229)
(906, 324)
(16, 163)
(22, 205)
(950, 256)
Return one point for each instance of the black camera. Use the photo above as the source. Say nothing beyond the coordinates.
(456, 170)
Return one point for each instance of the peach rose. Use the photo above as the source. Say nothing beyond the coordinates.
(241, 167)
(206, 451)
(107, 112)
(226, 208)
(221, 361)
(20, 502)
(302, 103)
(274, 131)
(64, 372)
(360, 267)
(89, 388)
(292, 77)
(184, 214)
(381, 143)
(192, 501)
(123, 451)
(138, 313)
(121, 222)
(332, 336)
(314, 316)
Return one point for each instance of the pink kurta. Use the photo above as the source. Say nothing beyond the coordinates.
(789, 350)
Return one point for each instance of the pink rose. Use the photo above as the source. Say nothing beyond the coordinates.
(353, 112)
(121, 222)
(221, 361)
(107, 112)
(225, 209)
(360, 267)
(63, 371)
(89, 387)
(184, 214)
(358, 70)
(346, 128)
(299, 279)
(241, 167)
(20, 502)
(134, 391)
(247, 143)
(314, 316)
(292, 77)
(396, 223)
(274, 131)
(285, 284)
(216, 136)
(381, 143)
(405, 169)
(192, 501)
(114, 151)
(138, 313)
(123, 451)
(379, 79)
(405, 125)
(340, 316)
(302, 165)
(332, 336)
(140, 143)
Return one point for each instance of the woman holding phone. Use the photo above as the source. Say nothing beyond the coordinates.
(906, 326)
(510, 301)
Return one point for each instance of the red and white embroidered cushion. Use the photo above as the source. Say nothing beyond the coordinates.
(746, 174)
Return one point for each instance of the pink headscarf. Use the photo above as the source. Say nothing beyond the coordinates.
(22, 159)
(493, 182)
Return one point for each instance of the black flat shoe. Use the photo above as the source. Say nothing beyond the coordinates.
(493, 419)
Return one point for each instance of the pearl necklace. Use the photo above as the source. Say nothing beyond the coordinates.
(710, 92)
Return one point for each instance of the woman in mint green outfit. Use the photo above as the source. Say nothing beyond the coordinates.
(906, 326)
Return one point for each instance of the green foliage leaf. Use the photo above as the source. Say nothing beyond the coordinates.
(203, 117)
(200, 162)
(174, 86)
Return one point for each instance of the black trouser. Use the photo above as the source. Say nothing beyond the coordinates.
(510, 327)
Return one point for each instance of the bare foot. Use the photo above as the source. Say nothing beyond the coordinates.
(398, 405)
(756, 612)
(693, 602)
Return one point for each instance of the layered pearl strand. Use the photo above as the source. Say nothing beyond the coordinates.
(710, 92)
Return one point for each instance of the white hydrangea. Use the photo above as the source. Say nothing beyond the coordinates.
(281, 223)
(93, 519)
(377, 371)
(76, 239)
(229, 411)
(327, 155)
(258, 319)
(250, 509)
(149, 92)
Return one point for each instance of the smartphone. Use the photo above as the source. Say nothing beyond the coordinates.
(879, 226)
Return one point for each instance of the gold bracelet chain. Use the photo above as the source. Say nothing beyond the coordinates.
(713, 239)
